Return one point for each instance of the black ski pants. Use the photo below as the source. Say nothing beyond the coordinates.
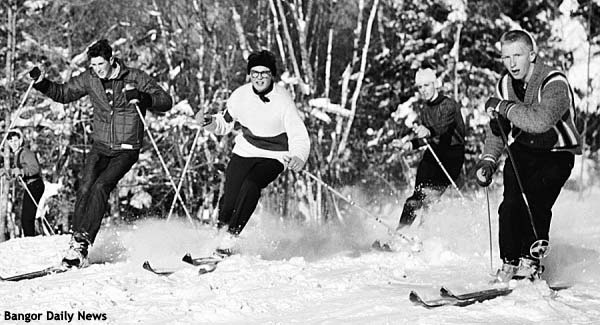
(543, 174)
(101, 174)
(244, 180)
(431, 177)
(29, 207)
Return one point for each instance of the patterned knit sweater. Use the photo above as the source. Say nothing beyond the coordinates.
(270, 129)
(543, 116)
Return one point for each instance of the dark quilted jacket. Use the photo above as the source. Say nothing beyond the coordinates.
(117, 126)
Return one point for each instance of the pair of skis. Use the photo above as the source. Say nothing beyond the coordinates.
(449, 298)
(205, 264)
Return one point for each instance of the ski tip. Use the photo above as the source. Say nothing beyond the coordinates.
(414, 297)
(188, 258)
(445, 292)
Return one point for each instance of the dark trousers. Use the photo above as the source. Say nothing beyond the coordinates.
(543, 175)
(244, 180)
(29, 208)
(101, 174)
(431, 177)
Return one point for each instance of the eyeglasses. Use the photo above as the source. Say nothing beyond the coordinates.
(261, 74)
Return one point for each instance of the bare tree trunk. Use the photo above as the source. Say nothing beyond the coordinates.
(163, 34)
(328, 62)
(5, 220)
(277, 35)
(301, 27)
(345, 83)
(361, 75)
(240, 32)
(456, 59)
(288, 39)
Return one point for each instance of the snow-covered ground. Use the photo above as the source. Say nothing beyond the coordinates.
(294, 273)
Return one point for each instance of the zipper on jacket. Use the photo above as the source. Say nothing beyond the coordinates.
(111, 138)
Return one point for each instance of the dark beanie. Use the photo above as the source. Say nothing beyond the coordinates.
(263, 58)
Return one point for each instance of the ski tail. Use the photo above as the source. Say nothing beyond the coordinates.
(36, 274)
(146, 266)
(486, 294)
(197, 261)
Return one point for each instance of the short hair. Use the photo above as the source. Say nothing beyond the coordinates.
(519, 35)
(14, 133)
(100, 48)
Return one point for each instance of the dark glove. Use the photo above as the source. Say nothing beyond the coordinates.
(500, 124)
(138, 97)
(484, 171)
(132, 94)
(498, 105)
(35, 73)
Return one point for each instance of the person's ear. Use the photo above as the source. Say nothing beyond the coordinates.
(532, 56)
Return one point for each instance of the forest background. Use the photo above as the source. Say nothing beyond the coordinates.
(349, 64)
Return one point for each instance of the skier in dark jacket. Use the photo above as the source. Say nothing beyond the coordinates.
(27, 170)
(117, 137)
(442, 127)
(535, 103)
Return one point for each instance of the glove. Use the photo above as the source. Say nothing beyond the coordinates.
(16, 171)
(422, 132)
(484, 171)
(500, 124)
(35, 73)
(294, 163)
(204, 120)
(132, 94)
(498, 105)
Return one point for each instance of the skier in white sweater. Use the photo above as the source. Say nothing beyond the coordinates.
(273, 137)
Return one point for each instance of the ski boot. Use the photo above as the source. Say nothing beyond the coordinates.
(530, 269)
(506, 273)
(76, 255)
(228, 246)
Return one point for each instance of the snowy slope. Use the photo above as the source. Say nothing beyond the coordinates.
(291, 273)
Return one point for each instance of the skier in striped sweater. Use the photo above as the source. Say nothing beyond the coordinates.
(535, 103)
(272, 138)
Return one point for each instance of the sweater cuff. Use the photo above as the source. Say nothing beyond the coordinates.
(489, 157)
(145, 100)
(42, 86)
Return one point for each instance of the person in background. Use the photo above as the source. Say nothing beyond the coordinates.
(28, 173)
(440, 124)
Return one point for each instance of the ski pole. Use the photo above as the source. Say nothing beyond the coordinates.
(352, 203)
(489, 214)
(12, 122)
(540, 247)
(162, 162)
(44, 220)
(185, 168)
(443, 168)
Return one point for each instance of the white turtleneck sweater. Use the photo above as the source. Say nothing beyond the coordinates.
(271, 129)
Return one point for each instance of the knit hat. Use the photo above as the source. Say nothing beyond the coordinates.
(14, 132)
(263, 58)
(425, 76)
